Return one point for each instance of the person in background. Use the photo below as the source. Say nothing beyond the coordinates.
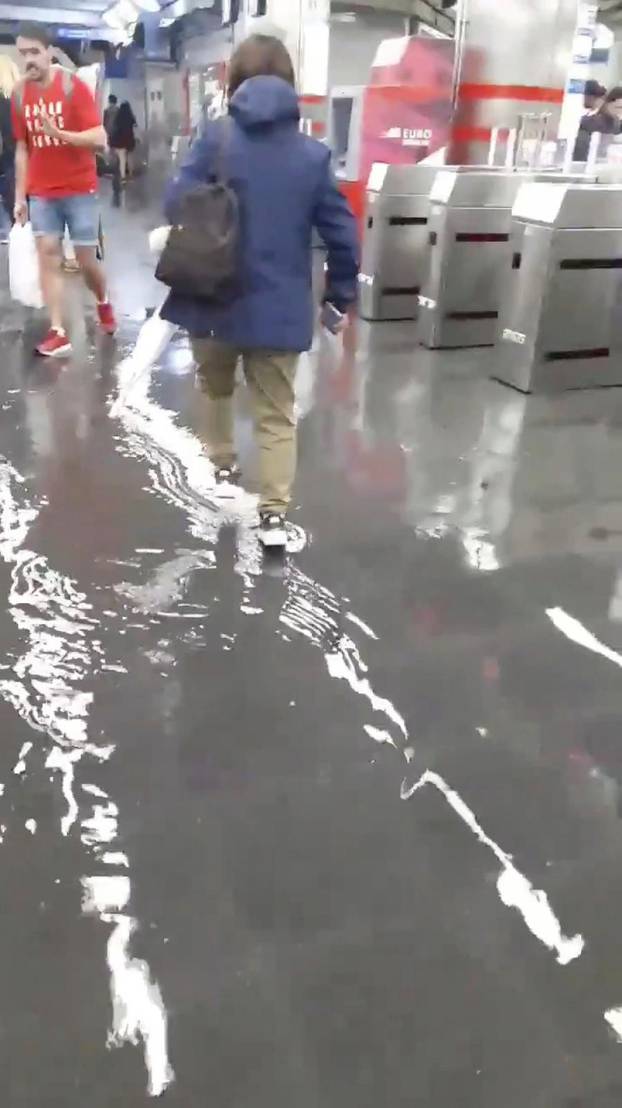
(285, 187)
(607, 120)
(122, 137)
(58, 128)
(110, 114)
(593, 95)
(9, 76)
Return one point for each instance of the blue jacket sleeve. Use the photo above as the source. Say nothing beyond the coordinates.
(197, 168)
(336, 225)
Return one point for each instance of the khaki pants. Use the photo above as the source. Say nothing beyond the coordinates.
(270, 377)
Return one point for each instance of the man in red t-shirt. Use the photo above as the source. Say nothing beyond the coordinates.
(58, 128)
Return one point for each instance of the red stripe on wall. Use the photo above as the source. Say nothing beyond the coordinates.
(411, 94)
(312, 99)
(471, 134)
(512, 92)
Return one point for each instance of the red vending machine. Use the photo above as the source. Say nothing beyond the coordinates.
(400, 117)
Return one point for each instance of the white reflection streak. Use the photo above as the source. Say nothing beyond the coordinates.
(57, 622)
(342, 665)
(364, 627)
(577, 633)
(379, 736)
(614, 1019)
(168, 583)
(138, 1010)
(314, 612)
(514, 889)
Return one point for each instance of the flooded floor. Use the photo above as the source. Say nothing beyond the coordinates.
(339, 829)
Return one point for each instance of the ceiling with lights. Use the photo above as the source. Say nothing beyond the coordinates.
(116, 15)
(111, 19)
(116, 18)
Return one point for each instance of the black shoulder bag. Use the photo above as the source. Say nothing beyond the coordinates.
(201, 257)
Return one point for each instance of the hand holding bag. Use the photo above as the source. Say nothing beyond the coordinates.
(24, 280)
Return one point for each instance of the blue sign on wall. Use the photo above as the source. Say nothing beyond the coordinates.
(73, 33)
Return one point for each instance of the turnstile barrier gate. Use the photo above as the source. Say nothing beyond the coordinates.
(561, 320)
(469, 250)
(395, 241)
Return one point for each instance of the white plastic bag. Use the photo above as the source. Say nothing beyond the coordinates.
(158, 239)
(153, 339)
(24, 281)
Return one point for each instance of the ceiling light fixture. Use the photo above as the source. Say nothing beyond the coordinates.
(114, 19)
(127, 11)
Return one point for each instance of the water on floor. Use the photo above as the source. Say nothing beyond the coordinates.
(338, 829)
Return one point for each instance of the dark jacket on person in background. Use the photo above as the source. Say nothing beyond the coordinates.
(285, 186)
(7, 154)
(110, 114)
(594, 122)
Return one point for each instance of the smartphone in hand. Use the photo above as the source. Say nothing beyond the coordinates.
(332, 319)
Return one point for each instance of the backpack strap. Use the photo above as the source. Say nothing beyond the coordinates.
(69, 82)
(68, 79)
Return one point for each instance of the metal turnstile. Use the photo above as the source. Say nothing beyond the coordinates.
(561, 321)
(469, 237)
(395, 243)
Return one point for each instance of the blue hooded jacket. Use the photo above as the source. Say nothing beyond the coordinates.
(285, 185)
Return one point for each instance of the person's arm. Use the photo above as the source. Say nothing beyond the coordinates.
(21, 179)
(86, 130)
(93, 138)
(20, 134)
(196, 169)
(336, 225)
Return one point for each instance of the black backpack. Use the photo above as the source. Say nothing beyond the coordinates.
(201, 256)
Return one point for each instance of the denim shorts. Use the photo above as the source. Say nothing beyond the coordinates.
(79, 214)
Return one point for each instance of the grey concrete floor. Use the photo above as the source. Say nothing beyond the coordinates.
(220, 884)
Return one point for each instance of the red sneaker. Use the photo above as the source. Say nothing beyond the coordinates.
(55, 345)
(107, 320)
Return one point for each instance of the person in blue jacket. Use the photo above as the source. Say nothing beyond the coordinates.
(286, 188)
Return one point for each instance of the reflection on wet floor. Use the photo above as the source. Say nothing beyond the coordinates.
(303, 829)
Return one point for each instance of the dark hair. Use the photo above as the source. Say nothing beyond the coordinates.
(36, 32)
(594, 88)
(259, 56)
(125, 115)
(614, 94)
(112, 99)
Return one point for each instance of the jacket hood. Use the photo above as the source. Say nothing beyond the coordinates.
(262, 101)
